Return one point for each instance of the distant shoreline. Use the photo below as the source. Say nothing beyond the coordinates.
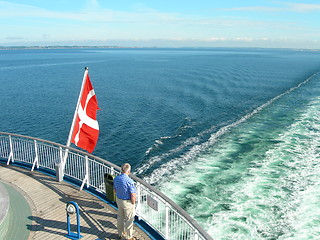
(122, 47)
(61, 47)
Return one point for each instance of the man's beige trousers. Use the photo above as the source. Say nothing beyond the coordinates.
(126, 213)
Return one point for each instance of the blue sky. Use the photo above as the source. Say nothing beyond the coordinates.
(165, 23)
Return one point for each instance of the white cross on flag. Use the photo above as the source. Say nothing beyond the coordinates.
(86, 128)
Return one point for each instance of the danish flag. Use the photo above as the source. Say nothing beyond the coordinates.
(86, 128)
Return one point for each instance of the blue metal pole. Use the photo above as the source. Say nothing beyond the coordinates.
(70, 234)
(68, 221)
(78, 222)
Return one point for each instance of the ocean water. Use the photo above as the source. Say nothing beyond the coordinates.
(231, 135)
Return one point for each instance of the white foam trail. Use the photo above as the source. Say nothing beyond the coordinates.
(169, 167)
(280, 196)
(157, 159)
(275, 193)
(188, 142)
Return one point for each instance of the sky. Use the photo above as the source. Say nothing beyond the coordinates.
(161, 23)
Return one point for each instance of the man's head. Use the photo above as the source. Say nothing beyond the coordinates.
(126, 168)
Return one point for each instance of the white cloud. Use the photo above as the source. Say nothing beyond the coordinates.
(282, 7)
(234, 39)
(92, 12)
(14, 38)
(255, 9)
(215, 39)
(302, 7)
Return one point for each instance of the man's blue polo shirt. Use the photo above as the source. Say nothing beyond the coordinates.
(124, 186)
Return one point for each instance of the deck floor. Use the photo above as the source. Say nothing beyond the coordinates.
(48, 198)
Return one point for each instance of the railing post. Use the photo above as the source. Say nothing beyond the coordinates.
(87, 171)
(167, 222)
(59, 167)
(196, 236)
(36, 159)
(63, 161)
(87, 175)
(11, 151)
(139, 200)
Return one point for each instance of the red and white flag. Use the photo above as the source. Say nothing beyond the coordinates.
(86, 128)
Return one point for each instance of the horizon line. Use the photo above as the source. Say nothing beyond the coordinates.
(140, 47)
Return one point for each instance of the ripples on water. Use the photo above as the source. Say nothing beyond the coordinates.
(261, 179)
(232, 135)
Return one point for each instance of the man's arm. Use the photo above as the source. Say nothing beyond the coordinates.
(133, 198)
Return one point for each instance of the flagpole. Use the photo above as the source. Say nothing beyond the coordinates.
(64, 160)
(86, 69)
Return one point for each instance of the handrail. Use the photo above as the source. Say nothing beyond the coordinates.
(153, 207)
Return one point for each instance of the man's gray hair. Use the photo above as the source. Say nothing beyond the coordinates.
(125, 168)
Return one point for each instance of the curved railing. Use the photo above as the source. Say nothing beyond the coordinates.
(153, 207)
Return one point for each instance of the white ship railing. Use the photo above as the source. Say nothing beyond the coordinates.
(153, 207)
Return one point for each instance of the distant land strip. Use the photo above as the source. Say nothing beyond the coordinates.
(154, 47)
(61, 47)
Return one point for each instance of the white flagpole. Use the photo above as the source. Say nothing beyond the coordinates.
(78, 103)
(73, 123)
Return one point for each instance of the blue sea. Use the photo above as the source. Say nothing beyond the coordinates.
(231, 135)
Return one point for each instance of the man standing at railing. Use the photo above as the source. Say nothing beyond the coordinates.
(126, 198)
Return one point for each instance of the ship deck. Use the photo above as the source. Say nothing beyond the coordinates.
(47, 199)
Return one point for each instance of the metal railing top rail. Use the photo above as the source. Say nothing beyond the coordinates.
(176, 207)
